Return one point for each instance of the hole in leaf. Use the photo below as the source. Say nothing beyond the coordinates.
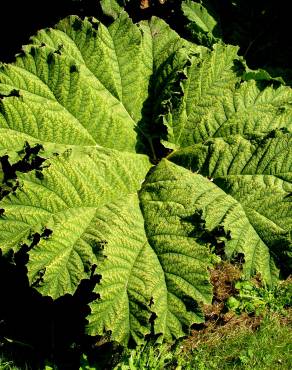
(73, 68)
(77, 24)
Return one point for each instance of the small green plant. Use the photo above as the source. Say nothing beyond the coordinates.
(252, 298)
(8, 365)
(148, 356)
(84, 364)
(5, 365)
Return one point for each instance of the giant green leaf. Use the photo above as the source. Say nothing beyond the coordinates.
(160, 255)
(74, 92)
(80, 108)
(90, 199)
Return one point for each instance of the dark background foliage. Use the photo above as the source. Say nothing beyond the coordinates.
(262, 28)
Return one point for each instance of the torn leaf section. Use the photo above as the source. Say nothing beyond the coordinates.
(215, 103)
(167, 203)
(66, 199)
(132, 284)
(257, 174)
(24, 160)
(207, 80)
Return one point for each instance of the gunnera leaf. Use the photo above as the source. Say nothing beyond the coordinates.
(96, 101)
(166, 258)
(82, 84)
(203, 22)
(84, 95)
(232, 119)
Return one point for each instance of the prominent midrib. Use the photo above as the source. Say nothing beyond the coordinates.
(191, 107)
(249, 109)
(264, 217)
(121, 84)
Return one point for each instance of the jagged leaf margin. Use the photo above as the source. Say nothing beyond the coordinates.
(215, 102)
(257, 174)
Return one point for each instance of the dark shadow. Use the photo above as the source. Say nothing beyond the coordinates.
(20, 20)
(35, 329)
(164, 93)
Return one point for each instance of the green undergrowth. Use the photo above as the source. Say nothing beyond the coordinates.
(8, 365)
(253, 333)
(241, 347)
(268, 347)
(247, 326)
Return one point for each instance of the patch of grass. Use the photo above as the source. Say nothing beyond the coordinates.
(247, 338)
(268, 347)
(7, 365)
(154, 357)
(257, 335)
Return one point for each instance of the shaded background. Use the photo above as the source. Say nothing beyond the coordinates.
(262, 28)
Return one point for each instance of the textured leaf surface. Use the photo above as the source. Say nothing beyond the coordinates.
(207, 81)
(167, 205)
(66, 200)
(83, 84)
(74, 87)
(131, 274)
(91, 201)
(66, 96)
(92, 97)
(203, 23)
(257, 175)
(161, 269)
(216, 104)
